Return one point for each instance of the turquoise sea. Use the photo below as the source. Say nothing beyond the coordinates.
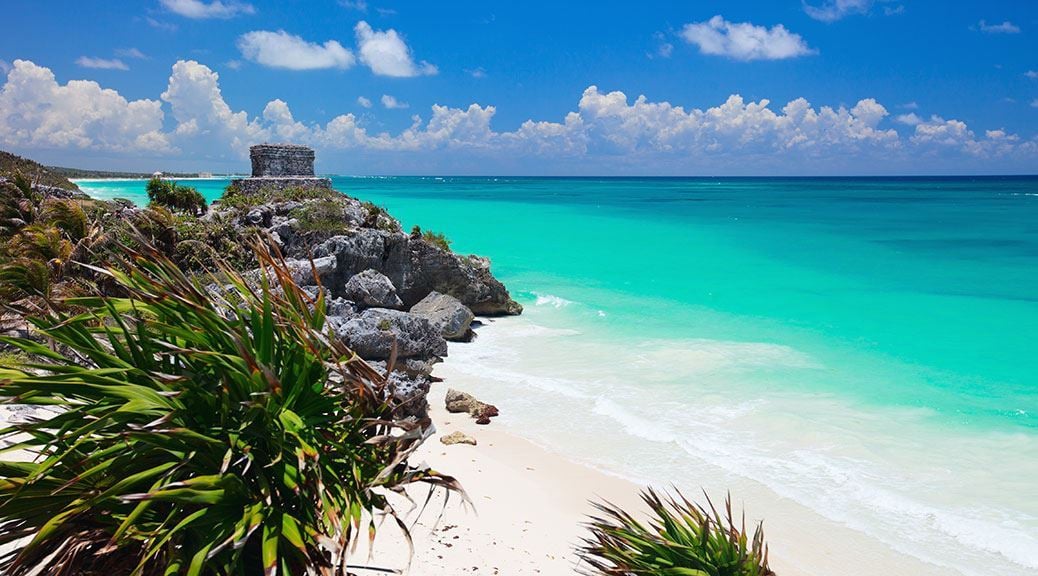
(866, 347)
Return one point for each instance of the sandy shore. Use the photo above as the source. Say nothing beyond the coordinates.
(530, 503)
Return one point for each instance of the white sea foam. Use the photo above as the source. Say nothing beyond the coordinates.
(551, 300)
(882, 473)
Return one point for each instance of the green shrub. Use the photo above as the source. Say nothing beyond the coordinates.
(187, 440)
(233, 197)
(321, 216)
(681, 538)
(435, 238)
(175, 197)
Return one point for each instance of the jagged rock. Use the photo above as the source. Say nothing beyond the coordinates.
(458, 401)
(371, 288)
(372, 332)
(416, 268)
(410, 391)
(303, 273)
(458, 437)
(448, 314)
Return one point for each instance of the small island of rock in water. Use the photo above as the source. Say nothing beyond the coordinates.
(280, 167)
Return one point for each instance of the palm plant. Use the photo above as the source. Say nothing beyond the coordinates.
(198, 430)
(680, 538)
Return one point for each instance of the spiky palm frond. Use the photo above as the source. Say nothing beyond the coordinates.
(198, 430)
(66, 215)
(679, 538)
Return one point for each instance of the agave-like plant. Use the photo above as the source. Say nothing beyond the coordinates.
(679, 538)
(197, 430)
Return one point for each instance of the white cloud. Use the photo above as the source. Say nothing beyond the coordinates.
(215, 9)
(37, 112)
(391, 103)
(204, 120)
(744, 41)
(358, 5)
(913, 105)
(364, 102)
(101, 63)
(1006, 27)
(894, 10)
(833, 10)
(606, 130)
(283, 50)
(131, 53)
(5, 66)
(233, 64)
(1032, 74)
(911, 119)
(477, 72)
(158, 25)
(386, 53)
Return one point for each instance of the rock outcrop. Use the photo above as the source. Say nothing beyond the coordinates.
(372, 333)
(446, 313)
(457, 401)
(371, 288)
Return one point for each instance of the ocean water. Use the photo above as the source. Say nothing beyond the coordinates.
(867, 348)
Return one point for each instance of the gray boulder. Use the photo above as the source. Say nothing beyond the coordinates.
(416, 268)
(371, 288)
(410, 392)
(372, 332)
(447, 314)
(303, 273)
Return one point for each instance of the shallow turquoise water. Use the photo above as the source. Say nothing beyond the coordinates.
(895, 319)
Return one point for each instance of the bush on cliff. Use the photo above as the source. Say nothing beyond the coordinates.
(435, 238)
(680, 538)
(176, 197)
(183, 438)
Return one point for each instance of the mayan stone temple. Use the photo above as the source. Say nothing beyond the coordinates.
(279, 167)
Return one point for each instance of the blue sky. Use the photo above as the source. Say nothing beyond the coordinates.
(767, 87)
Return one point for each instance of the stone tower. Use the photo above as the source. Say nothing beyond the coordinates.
(279, 167)
(281, 160)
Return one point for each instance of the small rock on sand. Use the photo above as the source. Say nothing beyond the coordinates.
(458, 438)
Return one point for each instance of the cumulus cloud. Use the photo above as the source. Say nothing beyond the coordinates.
(203, 117)
(101, 63)
(386, 53)
(833, 10)
(5, 66)
(37, 112)
(1006, 27)
(744, 41)
(391, 103)
(911, 119)
(216, 9)
(283, 50)
(606, 127)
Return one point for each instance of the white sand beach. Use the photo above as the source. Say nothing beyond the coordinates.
(530, 503)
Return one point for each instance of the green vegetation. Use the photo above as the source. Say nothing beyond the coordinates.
(80, 173)
(187, 440)
(321, 216)
(234, 198)
(11, 165)
(681, 538)
(171, 195)
(39, 240)
(435, 238)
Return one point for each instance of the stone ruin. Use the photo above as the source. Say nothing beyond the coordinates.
(280, 167)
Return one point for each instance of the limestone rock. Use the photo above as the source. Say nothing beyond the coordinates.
(371, 288)
(416, 268)
(458, 437)
(457, 401)
(446, 313)
(372, 332)
(410, 391)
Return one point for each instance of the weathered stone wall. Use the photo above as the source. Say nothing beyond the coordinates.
(281, 160)
(254, 185)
